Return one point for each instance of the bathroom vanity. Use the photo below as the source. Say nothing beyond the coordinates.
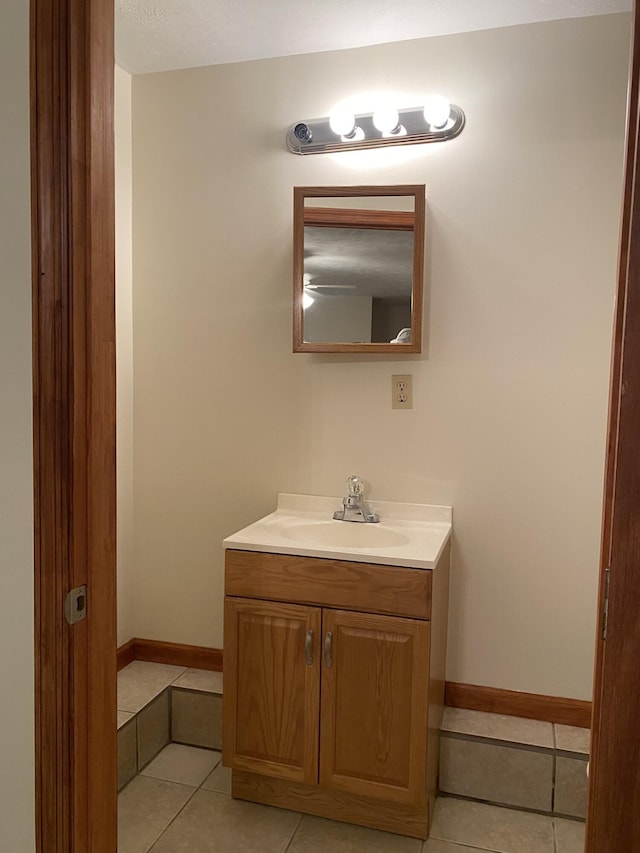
(334, 661)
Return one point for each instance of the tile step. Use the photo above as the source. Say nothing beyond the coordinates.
(491, 758)
(510, 761)
(160, 704)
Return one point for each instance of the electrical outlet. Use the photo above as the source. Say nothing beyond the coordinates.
(402, 391)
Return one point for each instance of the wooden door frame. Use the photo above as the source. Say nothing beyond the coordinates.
(73, 258)
(613, 823)
(74, 452)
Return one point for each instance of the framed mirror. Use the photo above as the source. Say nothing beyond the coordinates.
(358, 268)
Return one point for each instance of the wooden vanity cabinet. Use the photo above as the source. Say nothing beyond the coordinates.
(274, 688)
(373, 735)
(329, 709)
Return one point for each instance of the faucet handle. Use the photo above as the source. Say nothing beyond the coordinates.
(356, 486)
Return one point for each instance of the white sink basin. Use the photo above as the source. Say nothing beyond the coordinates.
(411, 535)
(345, 534)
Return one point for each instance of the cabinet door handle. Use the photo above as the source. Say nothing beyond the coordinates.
(328, 640)
(308, 648)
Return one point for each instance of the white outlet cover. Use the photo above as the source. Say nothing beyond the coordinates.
(402, 391)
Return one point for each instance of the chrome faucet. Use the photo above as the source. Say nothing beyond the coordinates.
(354, 507)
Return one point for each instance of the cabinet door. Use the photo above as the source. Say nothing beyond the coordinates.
(272, 688)
(375, 680)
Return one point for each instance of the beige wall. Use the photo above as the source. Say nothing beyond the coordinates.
(510, 394)
(124, 351)
(17, 818)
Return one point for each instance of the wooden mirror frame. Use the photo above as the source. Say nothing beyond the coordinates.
(344, 218)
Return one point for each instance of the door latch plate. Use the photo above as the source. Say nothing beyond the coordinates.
(75, 605)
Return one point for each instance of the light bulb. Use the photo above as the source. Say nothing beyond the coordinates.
(385, 119)
(356, 136)
(342, 122)
(307, 300)
(436, 111)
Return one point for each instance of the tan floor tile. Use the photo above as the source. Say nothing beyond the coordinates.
(127, 754)
(214, 823)
(572, 787)
(432, 845)
(201, 679)
(153, 729)
(196, 718)
(498, 774)
(185, 764)
(573, 739)
(145, 808)
(569, 836)
(140, 682)
(498, 727)
(491, 827)
(219, 780)
(317, 835)
(123, 718)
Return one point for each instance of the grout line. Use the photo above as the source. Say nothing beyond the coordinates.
(157, 699)
(512, 744)
(215, 767)
(175, 781)
(174, 818)
(186, 670)
(293, 834)
(496, 805)
(170, 700)
(197, 690)
(462, 845)
(163, 688)
(146, 704)
(576, 756)
(507, 744)
(135, 723)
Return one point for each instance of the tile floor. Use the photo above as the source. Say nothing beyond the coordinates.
(181, 803)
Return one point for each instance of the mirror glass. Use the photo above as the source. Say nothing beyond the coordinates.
(358, 267)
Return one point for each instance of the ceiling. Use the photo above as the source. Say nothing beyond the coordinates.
(163, 35)
(359, 261)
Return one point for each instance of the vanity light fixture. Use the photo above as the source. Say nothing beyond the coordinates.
(437, 112)
(308, 298)
(387, 120)
(435, 121)
(343, 124)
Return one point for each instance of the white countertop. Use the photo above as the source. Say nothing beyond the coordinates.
(411, 535)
